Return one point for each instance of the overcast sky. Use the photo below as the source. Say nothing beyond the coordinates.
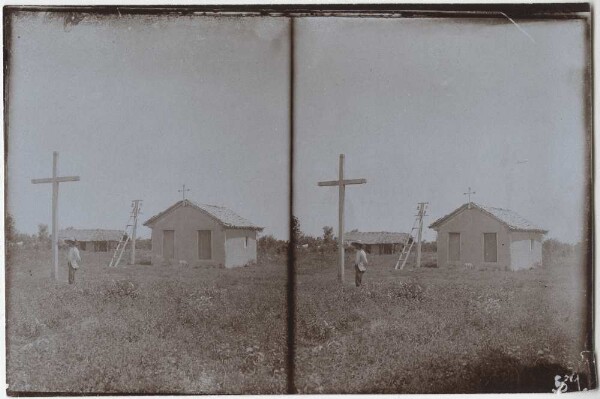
(422, 108)
(139, 106)
(425, 108)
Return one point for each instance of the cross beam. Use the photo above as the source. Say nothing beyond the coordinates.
(341, 183)
(58, 179)
(55, 180)
(344, 182)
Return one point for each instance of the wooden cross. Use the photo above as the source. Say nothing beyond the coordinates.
(341, 183)
(183, 190)
(55, 180)
(469, 193)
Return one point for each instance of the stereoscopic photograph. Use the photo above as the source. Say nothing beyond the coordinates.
(326, 199)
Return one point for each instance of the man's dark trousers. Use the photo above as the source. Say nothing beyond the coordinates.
(358, 278)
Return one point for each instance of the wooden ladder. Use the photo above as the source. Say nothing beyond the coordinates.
(410, 239)
(116, 258)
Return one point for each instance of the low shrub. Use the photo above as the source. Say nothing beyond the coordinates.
(28, 328)
(120, 289)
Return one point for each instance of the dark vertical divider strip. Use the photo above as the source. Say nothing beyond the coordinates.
(589, 234)
(291, 277)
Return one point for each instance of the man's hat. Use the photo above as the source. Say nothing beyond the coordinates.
(71, 239)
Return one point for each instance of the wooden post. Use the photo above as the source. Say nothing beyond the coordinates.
(342, 194)
(133, 242)
(420, 233)
(55, 214)
(341, 183)
(136, 208)
(55, 180)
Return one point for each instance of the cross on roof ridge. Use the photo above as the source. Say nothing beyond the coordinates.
(183, 191)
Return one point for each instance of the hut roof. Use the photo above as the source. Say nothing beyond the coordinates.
(90, 234)
(511, 219)
(375, 237)
(226, 217)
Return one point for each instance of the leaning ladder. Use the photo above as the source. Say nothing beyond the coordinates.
(116, 258)
(410, 240)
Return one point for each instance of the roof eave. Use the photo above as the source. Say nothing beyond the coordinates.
(153, 219)
(443, 219)
(518, 230)
(243, 227)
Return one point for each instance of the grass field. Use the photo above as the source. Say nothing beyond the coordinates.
(174, 329)
(180, 329)
(436, 331)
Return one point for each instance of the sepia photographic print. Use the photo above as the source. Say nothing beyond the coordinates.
(311, 199)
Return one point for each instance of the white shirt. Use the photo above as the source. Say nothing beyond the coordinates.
(73, 257)
(361, 260)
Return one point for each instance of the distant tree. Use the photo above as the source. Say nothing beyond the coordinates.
(26, 239)
(43, 237)
(327, 234)
(328, 242)
(296, 232)
(270, 245)
(311, 241)
(43, 234)
(266, 243)
(554, 246)
(9, 236)
(9, 228)
(552, 249)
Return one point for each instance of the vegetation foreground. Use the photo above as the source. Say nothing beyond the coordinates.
(174, 329)
(436, 331)
(180, 329)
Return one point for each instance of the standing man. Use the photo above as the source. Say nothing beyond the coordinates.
(360, 265)
(73, 259)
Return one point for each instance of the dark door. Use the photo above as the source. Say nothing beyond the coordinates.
(204, 244)
(454, 247)
(168, 244)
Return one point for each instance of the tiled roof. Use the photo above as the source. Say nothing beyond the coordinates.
(375, 237)
(226, 217)
(90, 234)
(513, 220)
